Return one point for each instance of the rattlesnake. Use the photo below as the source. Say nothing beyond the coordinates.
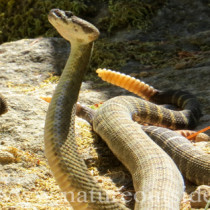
(157, 181)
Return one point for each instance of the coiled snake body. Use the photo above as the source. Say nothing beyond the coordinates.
(157, 181)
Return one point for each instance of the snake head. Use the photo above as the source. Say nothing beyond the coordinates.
(72, 28)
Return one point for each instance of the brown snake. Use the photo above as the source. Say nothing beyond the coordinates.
(157, 181)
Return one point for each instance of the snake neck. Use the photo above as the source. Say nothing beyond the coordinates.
(75, 69)
(66, 93)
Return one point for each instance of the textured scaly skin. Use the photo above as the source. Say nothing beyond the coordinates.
(61, 150)
(193, 163)
(127, 82)
(157, 180)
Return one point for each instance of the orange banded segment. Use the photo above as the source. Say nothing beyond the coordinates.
(127, 82)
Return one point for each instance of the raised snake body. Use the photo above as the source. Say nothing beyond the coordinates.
(61, 151)
(157, 181)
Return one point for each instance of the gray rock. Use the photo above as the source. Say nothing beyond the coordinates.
(33, 56)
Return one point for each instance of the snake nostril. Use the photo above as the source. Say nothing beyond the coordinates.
(68, 14)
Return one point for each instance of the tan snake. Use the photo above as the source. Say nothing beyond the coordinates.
(157, 181)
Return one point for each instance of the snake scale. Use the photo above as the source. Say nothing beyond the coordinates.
(157, 180)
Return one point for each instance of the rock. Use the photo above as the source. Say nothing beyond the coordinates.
(179, 19)
(26, 181)
(183, 65)
(6, 156)
(33, 56)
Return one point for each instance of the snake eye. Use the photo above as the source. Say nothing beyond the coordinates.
(68, 14)
(57, 12)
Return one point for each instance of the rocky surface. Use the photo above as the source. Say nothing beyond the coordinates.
(25, 177)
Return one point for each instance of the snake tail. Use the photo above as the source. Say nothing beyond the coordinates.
(186, 119)
(127, 135)
(127, 82)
